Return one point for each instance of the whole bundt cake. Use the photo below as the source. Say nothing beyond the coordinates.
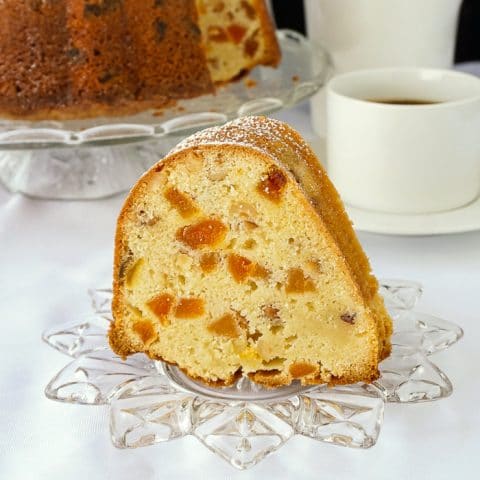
(79, 58)
(234, 255)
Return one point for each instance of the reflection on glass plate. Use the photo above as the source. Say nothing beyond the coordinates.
(98, 157)
(151, 402)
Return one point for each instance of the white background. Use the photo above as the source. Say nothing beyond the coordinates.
(52, 252)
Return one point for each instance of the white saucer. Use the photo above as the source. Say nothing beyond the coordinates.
(460, 220)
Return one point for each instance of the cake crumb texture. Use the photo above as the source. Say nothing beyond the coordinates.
(234, 256)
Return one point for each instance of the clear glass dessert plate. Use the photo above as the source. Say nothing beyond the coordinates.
(101, 156)
(152, 402)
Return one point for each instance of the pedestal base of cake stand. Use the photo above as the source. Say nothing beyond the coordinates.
(79, 173)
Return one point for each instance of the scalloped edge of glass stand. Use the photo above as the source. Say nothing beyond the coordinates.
(416, 337)
(151, 402)
(19, 135)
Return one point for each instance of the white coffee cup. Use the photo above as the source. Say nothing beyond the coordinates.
(404, 158)
(361, 34)
(382, 33)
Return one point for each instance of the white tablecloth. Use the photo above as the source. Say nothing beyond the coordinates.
(52, 252)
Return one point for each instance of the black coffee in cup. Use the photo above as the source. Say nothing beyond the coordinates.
(403, 101)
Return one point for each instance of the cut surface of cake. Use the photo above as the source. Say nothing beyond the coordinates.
(65, 59)
(234, 256)
(238, 36)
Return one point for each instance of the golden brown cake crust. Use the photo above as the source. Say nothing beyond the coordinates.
(98, 57)
(71, 59)
(272, 141)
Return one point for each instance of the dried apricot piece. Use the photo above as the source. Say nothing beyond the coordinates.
(181, 202)
(206, 233)
(209, 261)
(260, 272)
(250, 47)
(298, 282)
(161, 305)
(225, 326)
(190, 308)
(145, 330)
(240, 267)
(236, 32)
(273, 185)
(301, 369)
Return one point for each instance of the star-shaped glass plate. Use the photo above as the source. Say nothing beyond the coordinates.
(151, 402)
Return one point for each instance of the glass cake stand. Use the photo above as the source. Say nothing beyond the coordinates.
(81, 159)
(152, 402)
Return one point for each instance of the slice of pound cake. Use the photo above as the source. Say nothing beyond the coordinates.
(234, 256)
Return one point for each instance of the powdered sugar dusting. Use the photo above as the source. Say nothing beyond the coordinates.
(264, 134)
